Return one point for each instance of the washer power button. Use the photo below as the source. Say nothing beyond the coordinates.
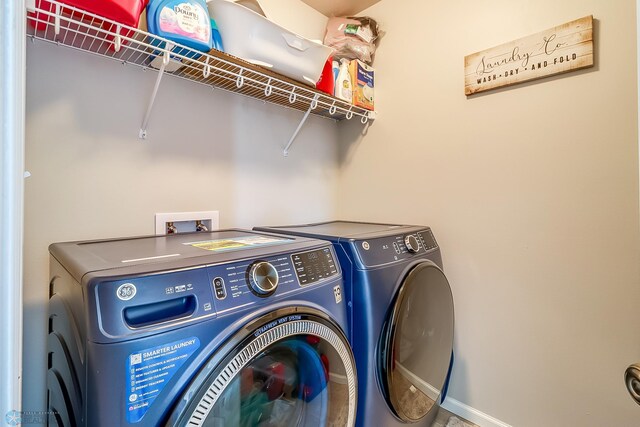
(218, 288)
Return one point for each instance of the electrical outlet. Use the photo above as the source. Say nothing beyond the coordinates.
(186, 222)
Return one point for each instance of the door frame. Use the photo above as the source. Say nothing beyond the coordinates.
(12, 130)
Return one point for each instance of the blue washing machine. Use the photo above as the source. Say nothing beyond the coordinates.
(227, 328)
(401, 317)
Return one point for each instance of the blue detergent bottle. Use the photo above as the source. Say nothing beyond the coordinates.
(183, 21)
(215, 36)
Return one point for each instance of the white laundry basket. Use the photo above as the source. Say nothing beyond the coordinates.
(254, 38)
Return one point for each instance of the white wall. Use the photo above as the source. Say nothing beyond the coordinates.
(532, 192)
(207, 150)
(296, 16)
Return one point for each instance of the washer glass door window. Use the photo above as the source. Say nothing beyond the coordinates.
(417, 342)
(297, 374)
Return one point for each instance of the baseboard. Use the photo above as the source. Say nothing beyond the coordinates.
(430, 391)
(471, 414)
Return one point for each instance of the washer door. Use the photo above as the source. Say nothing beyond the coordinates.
(416, 343)
(284, 370)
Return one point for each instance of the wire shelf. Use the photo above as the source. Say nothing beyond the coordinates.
(64, 25)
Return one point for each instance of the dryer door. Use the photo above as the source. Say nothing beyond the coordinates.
(416, 343)
(284, 370)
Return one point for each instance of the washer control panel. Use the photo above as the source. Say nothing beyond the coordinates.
(314, 266)
(142, 304)
(255, 280)
(385, 250)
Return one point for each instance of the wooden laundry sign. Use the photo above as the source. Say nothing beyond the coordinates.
(558, 50)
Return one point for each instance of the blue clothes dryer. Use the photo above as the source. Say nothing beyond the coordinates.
(401, 317)
(227, 328)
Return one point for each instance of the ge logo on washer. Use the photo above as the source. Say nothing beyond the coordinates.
(126, 291)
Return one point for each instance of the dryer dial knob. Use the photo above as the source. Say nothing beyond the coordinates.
(263, 278)
(412, 243)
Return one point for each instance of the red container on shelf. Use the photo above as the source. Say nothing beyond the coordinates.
(326, 82)
(126, 12)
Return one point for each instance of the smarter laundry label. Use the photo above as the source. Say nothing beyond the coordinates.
(149, 370)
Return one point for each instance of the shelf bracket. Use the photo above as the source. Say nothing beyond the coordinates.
(165, 61)
(313, 105)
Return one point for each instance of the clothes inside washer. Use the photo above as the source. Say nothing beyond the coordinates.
(285, 385)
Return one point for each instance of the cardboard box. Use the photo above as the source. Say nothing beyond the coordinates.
(362, 79)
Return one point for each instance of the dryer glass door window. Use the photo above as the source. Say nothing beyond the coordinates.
(300, 375)
(416, 344)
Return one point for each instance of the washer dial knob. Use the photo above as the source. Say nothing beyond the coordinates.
(412, 243)
(263, 278)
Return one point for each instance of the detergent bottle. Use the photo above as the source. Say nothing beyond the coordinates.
(344, 88)
(215, 35)
(183, 21)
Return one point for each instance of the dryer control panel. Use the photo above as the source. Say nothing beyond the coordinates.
(385, 250)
